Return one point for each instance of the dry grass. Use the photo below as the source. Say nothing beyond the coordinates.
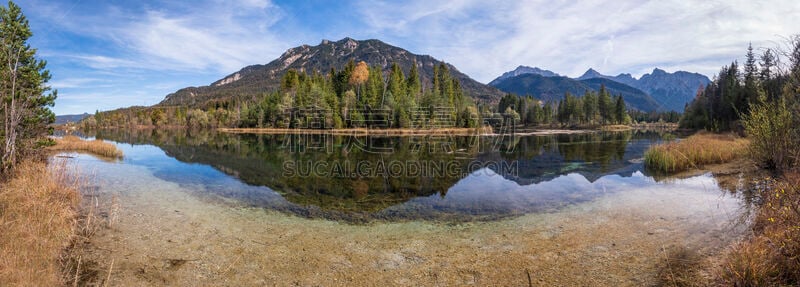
(695, 151)
(38, 216)
(772, 256)
(96, 147)
(681, 267)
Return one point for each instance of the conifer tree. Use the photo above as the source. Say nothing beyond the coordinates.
(24, 99)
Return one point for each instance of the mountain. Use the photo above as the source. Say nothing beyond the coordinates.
(590, 74)
(554, 88)
(63, 119)
(671, 90)
(258, 79)
(523, 70)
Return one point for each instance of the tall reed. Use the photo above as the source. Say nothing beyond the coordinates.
(38, 213)
(694, 152)
(97, 147)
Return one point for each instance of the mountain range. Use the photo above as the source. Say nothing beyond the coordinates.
(63, 119)
(258, 79)
(670, 91)
(658, 90)
(554, 88)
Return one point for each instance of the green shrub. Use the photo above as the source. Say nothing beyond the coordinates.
(774, 138)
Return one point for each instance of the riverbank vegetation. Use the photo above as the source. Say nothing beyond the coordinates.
(96, 147)
(357, 96)
(38, 200)
(771, 257)
(761, 101)
(591, 110)
(694, 152)
(39, 217)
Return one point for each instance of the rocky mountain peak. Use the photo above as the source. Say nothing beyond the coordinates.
(260, 79)
(521, 70)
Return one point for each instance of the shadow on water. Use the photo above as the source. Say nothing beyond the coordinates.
(359, 178)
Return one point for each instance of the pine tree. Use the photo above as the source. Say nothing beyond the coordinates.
(25, 108)
(413, 83)
(621, 112)
(589, 107)
(397, 84)
(604, 105)
(750, 79)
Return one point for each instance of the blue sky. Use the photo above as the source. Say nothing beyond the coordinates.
(109, 54)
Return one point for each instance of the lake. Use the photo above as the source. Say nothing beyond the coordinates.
(421, 210)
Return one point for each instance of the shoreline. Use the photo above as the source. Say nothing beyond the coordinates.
(151, 242)
(482, 131)
(486, 131)
(362, 131)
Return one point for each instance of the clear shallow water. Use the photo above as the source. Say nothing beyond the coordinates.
(577, 211)
(405, 178)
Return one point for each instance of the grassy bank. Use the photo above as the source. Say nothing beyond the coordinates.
(38, 216)
(96, 147)
(771, 257)
(694, 152)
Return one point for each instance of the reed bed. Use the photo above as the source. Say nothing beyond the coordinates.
(97, 147)
(38, 219)
(694, 152)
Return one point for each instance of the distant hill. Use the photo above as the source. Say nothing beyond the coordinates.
(672, 91)
(554, 88)
(258, 79)
(63, 119)
(523, 70)
(621, 78)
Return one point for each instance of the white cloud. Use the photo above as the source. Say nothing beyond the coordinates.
(157, 48)
(73, 82)
(219, 40)
(486, 38)
(211, 36)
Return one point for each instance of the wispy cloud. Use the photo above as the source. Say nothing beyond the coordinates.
(486, 38)
(219, 40)
(145, 50)
(207, 35)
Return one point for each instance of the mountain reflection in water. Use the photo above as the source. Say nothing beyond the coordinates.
(361, 178)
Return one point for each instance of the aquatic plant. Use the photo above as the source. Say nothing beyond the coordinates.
(694, 152)
(98, 147)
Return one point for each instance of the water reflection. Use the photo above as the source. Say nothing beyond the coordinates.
(437, 177)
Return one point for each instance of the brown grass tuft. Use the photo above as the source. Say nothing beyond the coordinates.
(38, 213)
(695, 151)
(681, 267)
(97, 147)
(772, 256)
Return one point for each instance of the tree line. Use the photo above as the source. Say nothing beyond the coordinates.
(759, 99)
(355, 96)
(593, 108)
(734, 90)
